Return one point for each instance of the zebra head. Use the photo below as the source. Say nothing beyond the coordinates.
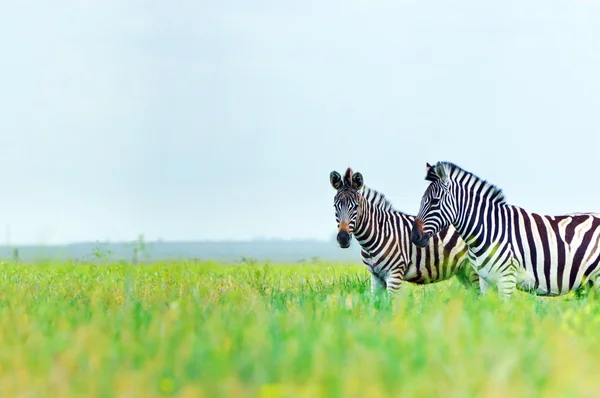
(438, 206)
(346, 203)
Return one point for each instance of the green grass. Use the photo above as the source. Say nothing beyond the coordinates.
(209, 330)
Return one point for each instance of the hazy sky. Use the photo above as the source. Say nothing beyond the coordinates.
(222, 120)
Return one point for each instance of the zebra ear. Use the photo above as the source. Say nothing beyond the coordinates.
(441, 172)
(357, 181)
(336, 180)
(430, 173)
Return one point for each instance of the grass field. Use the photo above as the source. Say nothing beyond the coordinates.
(208, 330)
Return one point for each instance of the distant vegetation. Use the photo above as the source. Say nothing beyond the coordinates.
(261, 251)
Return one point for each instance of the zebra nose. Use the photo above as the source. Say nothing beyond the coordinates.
(343, 238)
(416, 236)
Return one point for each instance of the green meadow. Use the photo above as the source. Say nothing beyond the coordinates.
(193, 329)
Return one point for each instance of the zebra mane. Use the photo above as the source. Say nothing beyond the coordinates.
(454, 171)
(376, 199)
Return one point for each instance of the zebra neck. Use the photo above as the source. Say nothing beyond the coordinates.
(373, 223)
(471, 224)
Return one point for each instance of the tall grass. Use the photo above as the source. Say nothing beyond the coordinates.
(209, 330)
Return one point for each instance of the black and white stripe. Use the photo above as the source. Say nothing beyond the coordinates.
(511, 248)
(384, 236)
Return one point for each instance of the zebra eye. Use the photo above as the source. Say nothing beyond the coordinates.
(435, 201)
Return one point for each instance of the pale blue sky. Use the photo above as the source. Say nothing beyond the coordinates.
(222, 120)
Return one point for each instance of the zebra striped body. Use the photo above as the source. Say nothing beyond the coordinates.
(384, 236)
(510, 247)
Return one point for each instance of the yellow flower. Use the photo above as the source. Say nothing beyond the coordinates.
(271, 391)
(166, 385)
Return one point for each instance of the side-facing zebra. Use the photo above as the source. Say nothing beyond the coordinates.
(510, 247)
(384, 236)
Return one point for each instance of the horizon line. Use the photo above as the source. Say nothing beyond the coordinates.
(163, 241)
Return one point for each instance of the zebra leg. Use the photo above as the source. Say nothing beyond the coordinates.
(468, 277)
(483, 286)
(394, 280)
(507, 283)
(591, 285)
(377, 284)
(393, 283)
(474, 280)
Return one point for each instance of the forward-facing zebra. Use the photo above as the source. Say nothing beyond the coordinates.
(384, 236)
(510, 247)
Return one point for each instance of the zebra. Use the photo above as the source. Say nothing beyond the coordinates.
(511, 248)
(384, 236)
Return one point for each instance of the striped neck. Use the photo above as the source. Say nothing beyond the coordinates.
(478, 203)
(373, 210)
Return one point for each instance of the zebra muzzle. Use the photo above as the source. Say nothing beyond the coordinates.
(343, 238)
(417, 236)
